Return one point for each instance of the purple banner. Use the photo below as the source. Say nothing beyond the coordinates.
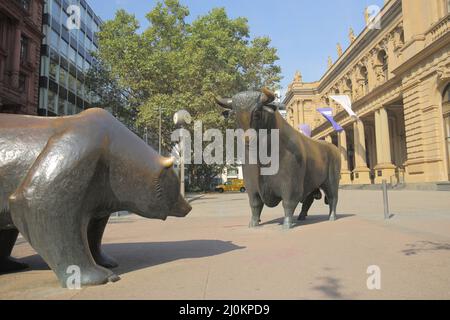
(328, 114)
(305, 129)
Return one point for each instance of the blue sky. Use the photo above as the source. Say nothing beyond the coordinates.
(305, 32)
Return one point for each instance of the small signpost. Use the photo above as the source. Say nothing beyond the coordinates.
(386, 201)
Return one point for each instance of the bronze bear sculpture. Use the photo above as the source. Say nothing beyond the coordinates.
(61, 179)
(305, 165)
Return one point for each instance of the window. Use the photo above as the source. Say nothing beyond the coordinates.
(54, 39)
(24, 43)
(53, 74)
(52, 101)
(365, 78)
(56, 11)
(72, 83)
(72, 54)
(61, 106)
(64, 48)
(25, 4)
(383, 59)
(448, 6)
(70, 108)
(63, 77)
(80, 62)
(22, 83)
(447, 93)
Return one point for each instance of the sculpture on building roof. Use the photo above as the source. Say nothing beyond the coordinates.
(339, 49)
(298, 77)
(330, 62)
(351, 35)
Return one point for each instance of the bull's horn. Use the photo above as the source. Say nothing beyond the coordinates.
(167, 162)
(269, 96)
(224, 103)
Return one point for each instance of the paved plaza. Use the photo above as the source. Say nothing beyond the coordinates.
(213, 255)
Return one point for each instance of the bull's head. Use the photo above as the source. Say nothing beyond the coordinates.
(254, 110)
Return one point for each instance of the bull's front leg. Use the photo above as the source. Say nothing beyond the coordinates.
(257, 205)
(289, 208)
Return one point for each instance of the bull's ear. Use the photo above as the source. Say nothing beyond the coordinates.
(226, 103)
(268, 96)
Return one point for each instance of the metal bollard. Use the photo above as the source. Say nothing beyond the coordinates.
(386, 201)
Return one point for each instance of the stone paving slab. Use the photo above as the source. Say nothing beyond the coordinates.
(213, 255)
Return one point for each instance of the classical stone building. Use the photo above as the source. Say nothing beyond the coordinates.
(20, 43)
(398, 78)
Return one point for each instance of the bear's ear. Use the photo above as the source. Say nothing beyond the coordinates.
(167, 162)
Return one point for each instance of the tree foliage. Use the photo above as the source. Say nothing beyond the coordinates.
(176, 65)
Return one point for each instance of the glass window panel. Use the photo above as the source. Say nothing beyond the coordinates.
(53, 74)
(72, 54)
(56, 11)
(52, 101)
(54, 39)
(72, 83)
(63, 77)
(80, 62)
(61, 106)
(64, 47)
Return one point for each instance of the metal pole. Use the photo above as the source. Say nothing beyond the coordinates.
(182, 167)
(385, 201)
(160, 129)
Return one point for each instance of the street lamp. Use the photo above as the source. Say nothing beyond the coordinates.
(182, 118)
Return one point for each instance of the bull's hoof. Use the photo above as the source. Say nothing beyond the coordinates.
(288, 224)
(254, 224)
(9, 264)
(302, 217)
(106, 261)
(333, 218)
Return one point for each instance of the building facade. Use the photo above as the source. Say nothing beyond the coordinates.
(397, 77)
(66, 57)
(20, 42)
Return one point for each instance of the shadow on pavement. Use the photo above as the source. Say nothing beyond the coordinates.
(330, 287)
(313, 219)
(425, 246)
(135, 256)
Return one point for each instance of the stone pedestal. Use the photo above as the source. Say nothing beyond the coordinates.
(361, 175)
(385, 171)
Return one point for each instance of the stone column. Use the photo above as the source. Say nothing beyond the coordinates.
(362, 172)
(16, 58)
(384, 169)
(296, 119)
(342, 145)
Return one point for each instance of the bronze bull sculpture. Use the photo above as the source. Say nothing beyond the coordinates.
(60, 180)
(305, 165)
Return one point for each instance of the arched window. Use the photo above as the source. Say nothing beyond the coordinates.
(446, 96)
(349, 85)
(365, 78)
(383, 59)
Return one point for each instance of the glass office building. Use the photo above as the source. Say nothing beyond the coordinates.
(66, 57)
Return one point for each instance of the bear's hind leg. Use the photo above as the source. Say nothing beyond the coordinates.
(7, 241)
(95, 233)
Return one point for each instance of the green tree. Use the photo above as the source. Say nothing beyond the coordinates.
(175, 65)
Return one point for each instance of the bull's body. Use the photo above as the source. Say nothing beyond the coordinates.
(305, 165)
(61, 178)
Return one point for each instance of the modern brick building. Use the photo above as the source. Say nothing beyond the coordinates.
(20, 43)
